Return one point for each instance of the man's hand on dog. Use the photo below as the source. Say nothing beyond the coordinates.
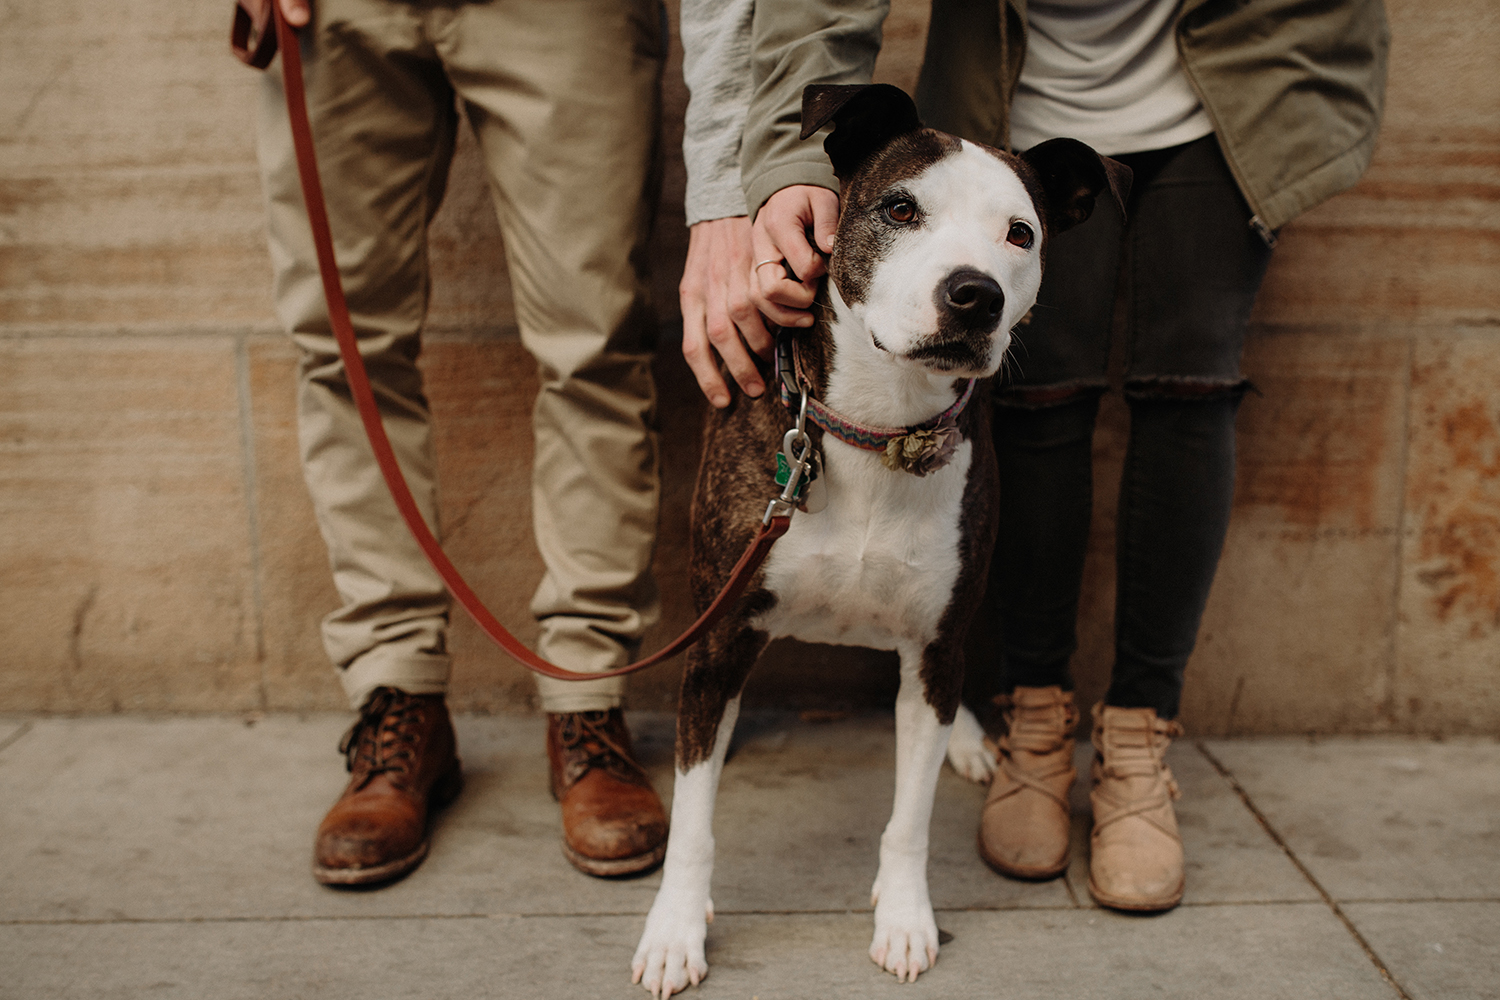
(719, 320)
(724, 294)
(780, 233)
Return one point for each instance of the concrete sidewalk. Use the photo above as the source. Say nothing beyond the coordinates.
(168, 857)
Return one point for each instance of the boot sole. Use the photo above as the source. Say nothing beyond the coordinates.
(444, 791)
(1135, 905)
(1024, 874)
(615, 867)
(388, 872)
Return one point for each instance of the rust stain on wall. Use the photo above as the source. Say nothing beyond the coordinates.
(1455, 486)
(1315, 445)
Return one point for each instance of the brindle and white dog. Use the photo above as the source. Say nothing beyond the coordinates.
(938, 255)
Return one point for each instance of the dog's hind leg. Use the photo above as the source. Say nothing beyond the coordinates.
(671, 955)
(967, 751)
(906, 935)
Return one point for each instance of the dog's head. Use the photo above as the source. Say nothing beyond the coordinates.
(941, 241)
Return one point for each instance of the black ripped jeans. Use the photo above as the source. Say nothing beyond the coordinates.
(1192, 267)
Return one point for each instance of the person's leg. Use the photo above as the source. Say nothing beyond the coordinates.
(1045, 407)
(1195, 267)
(1175, 496)
(564, 96)
(1044, 429)
(1045, 456)
(383, 122)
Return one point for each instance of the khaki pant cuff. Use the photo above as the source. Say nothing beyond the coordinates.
(580, 696)
(414, 675)
(570, 643)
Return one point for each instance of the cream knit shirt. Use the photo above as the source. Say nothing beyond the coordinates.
(1105, 72)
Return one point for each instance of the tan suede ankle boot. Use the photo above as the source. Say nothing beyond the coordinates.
(1136, 862)
(1023, 831)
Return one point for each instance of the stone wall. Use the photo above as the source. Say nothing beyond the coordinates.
(158, 553)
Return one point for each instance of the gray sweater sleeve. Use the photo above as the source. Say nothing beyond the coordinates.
(796, 43)
(716, 69)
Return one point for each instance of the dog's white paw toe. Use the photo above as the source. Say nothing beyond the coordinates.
(666, 968)
(905, 950)
(967, 750)
(670, 956)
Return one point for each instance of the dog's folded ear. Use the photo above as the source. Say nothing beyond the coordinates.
(1072, 176)
(865, 118)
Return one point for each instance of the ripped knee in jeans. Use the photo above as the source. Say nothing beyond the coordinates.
(1043, 397)
(1186, 389)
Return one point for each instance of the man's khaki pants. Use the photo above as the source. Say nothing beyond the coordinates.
(564, 98)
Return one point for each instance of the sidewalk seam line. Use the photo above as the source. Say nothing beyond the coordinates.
(1072, 893)
(581, 915)
(10, 740)
(1332, 904)
(1384, 900)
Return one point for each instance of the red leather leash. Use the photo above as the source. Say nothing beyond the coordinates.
(359, 385)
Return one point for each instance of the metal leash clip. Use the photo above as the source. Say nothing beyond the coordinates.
(798, 462)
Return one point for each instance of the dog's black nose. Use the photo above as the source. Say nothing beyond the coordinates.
(975, 298)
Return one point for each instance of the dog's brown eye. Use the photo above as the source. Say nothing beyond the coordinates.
(901, 211)
(1020, 235)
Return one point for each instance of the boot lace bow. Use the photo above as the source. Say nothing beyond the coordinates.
(384, 739)
(588, 743)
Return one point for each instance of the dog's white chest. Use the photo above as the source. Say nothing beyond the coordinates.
(878, 566)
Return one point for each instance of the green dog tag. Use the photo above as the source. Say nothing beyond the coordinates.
(783, 473)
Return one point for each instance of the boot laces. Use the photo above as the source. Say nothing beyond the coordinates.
(589, 744)
(1041, 730)
(384, 739)
(1037, 728)
(1138, 752)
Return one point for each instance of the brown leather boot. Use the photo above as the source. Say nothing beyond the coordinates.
(403, 762)
(1023, 831)
(613, 822)
(1137, 852)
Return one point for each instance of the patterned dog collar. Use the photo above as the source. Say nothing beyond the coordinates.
(919, 449)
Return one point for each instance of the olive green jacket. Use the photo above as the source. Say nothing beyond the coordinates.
(1295, 88)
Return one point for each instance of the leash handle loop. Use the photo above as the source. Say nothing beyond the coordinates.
(772, 528)
(252, 38)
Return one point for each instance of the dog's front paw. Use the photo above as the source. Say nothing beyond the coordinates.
(906, 934)
(670, 955)
(905, 942)
(968, 752)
